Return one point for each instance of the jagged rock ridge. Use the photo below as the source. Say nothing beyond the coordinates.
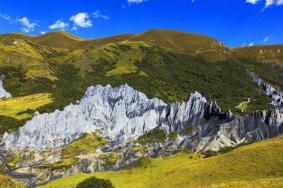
(122, 114)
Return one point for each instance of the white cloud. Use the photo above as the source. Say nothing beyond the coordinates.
(42, 32)
(81, 20)
(251, 44)
(267, 3)
(59, 25)
(5, 17)
(28, 25)
(267, 39)
(252, 1)
(98, 14)
(136, 1)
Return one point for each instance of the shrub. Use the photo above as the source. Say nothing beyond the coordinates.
(94, 182)
(153, 136)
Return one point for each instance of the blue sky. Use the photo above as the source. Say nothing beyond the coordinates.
(234, 22)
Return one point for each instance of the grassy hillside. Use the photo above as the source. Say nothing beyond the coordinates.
(14, 111)
(272, 54)
(164, 74)
(6, 182)
(187, 43)
(58, 39)
(256, 165)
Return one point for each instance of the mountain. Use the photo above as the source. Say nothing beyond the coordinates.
(187, 43)
(119, 121)
(147, 95)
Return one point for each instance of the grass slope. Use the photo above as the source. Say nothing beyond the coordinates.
(14, 111)
(58, 39)
(6, 182)
(87, 144)
(256, 165)
(187, 43)
(272, 54)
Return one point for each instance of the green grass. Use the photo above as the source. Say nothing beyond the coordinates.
(16, 107)
(6, 182)
(153, 136)
(88, 143)
(59, 39)
(272, 54)
(110, 158)
(255, 165)
(14, 111)
(187, 43)
(243, 106)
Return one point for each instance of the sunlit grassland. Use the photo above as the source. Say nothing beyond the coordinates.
(129, 55)
(21, 54)
(87, 144)
(6, 182)
(243, 106)
(256, 165)
(14, 106)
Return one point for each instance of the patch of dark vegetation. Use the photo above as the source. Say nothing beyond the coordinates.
(189, 130)
(17, 83)
(94, 182)
(223, 150)
(143, 162)
(154, 136)
(9, 124)
(173, 135)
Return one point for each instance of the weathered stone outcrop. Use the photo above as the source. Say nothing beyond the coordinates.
(122, 114)
(3, 92)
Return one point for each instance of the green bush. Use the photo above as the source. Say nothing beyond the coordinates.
(94, 182)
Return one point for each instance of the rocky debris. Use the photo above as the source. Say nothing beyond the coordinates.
(3, 92)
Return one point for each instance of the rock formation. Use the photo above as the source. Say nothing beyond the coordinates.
(122, 114)
(3, 92)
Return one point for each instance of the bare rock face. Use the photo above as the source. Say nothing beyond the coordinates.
(3, 92)
(122, 114)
